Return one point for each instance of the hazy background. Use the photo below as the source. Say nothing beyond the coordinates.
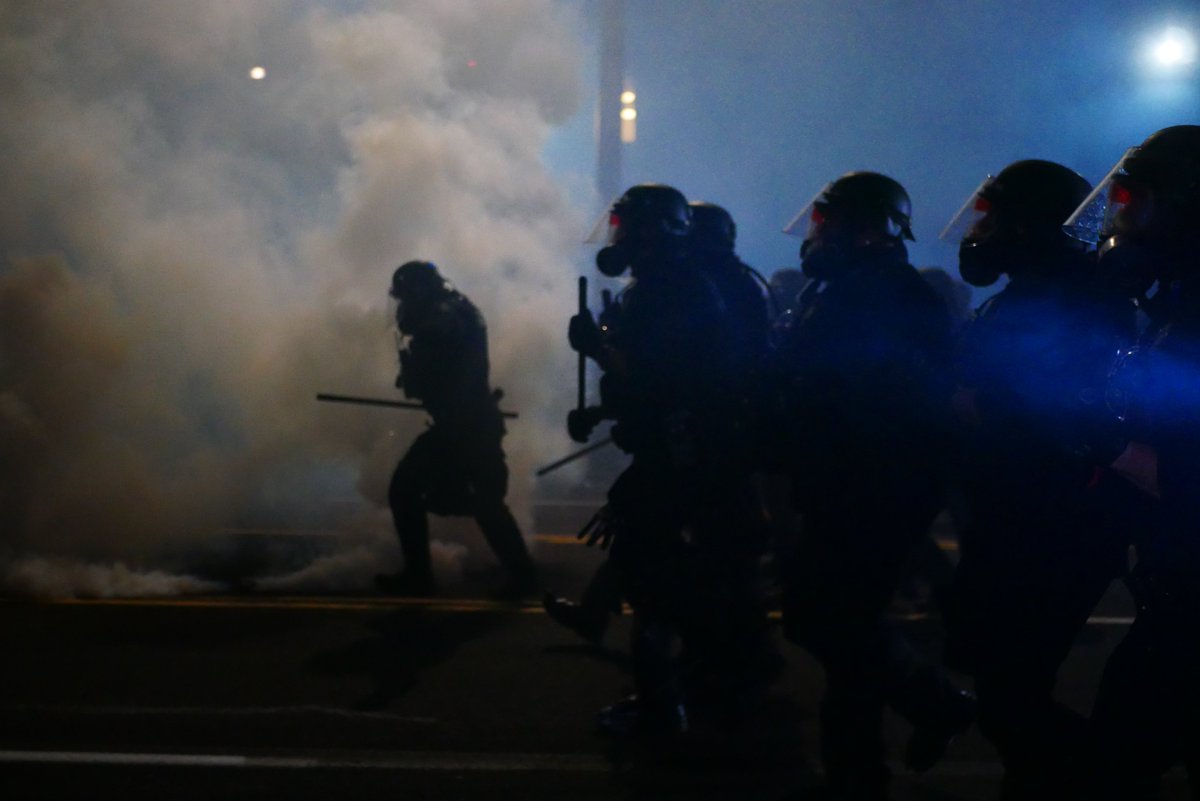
(190, 255)
(756, 104)
(187, 255)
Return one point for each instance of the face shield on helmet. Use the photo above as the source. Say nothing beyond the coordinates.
(826, 246)
(805, 222)
(1097, 215)
(863, 200)
(973, 209)
(611, 259)
(647, 219)
(604, 232)
(981, 258)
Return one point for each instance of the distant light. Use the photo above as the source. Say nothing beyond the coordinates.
(628, 116)
(1176, 48)
(472, 63)
(257, 73)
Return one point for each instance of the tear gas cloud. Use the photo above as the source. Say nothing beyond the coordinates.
(188, 255)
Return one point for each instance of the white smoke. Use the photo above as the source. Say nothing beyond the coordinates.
(35, 577)
(364, 553)
(189, 255)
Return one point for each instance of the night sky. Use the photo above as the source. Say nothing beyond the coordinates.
(757, 104)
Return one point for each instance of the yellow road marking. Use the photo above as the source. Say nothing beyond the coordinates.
(364, 603)
(549, 539)
(369, 603)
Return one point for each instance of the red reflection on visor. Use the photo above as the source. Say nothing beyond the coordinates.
(982, 204)
(1120, 195)
(817, 216)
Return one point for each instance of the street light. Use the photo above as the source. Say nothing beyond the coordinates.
(1175, 50)
(628, 116)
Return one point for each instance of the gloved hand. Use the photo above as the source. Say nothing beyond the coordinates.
(584, 335)
(601, 529)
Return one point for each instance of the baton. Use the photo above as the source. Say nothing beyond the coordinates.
(394, 404)
(581, 370)
(573, 456)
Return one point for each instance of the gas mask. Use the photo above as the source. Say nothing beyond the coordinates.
(823, 259)
(982, 258)
(1114, 217)
(612, 260)
(981, 262)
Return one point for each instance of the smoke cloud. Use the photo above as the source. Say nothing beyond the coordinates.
(187, 255)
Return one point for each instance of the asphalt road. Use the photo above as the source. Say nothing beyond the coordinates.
(253, 696)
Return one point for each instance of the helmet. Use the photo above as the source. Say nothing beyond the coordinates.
(1014, 220)
(647, 217)
(650, 211)
(415, 278)
(1032, 193)
(856, 203)
(713, 229)
(869, 199)
(1144, 213)
(1167, 164)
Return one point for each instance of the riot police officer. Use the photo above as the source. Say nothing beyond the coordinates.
(710, 248)
(1146, 217)
(866, 363)
(1039, 550)
(456, 466)
(667, 384)
(741, 668)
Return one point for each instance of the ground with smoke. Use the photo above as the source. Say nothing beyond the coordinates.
(189, 254)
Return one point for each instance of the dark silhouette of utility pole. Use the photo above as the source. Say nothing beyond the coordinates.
(612, 83)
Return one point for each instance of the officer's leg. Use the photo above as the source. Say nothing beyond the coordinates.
(1139, 718)
(860, 556)
(647, 558)
(1041, 743)
(852, 750)
(406, 499)
(1022, 593)
(601, 598)
(489, 480)
(503, 534)
(829, 611)
(656, 674)
(730, 656)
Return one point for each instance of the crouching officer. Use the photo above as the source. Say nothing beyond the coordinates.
(456, 466)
